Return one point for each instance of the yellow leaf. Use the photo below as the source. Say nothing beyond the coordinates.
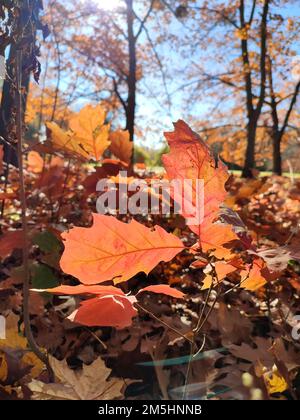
(3, 368)
(87, 137)
(274, 381)
(90, 131)
(16, 341)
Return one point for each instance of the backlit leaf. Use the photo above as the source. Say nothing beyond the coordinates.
(113, 250)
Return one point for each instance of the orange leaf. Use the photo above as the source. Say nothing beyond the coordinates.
(223, 268)
(164, 289)
(120, 145)
(88, 134)
(106, 311)
(252, 278)
(190, 158)
(81, 289)
(213, 238)
(113, 250)
(35, 162)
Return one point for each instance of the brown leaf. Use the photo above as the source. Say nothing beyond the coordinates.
(89, 383)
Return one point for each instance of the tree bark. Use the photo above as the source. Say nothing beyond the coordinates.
(131, 98)
(277, 132)
(250, 150)
(277, 161)
(253, 113)
(7, 110)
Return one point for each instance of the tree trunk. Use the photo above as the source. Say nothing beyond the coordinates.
(249, 164)
(131, 99)
(277, 164)
(7, 110)
(253, 112)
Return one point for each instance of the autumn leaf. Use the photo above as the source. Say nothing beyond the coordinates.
(109, 167)
(164, 289)
(111, 307)
(226, 267)
(89, 383)
(191, 159)
(9, 241)
(274, 381)
(252, 278)
(113, 250)
(82, 289)
(63, 140)
(222, 269)
(14, 340)
(50, 182)
(120, 145)
(90, 130)
(35, 162)
(214, 237)
(87, 136)
(106, 311)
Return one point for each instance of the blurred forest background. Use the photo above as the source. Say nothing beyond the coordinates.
(229, 68)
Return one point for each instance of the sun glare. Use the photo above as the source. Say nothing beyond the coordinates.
(108, 4)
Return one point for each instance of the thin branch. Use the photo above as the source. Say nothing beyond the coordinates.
(26, 284)
(288, 114)
(252, 13)
(163, 322)
(143, 21)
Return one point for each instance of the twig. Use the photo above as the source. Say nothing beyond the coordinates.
(26, 285)
(196, 331)
(163, 323)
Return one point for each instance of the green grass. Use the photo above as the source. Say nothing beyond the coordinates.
(160, 169)
(268, 173)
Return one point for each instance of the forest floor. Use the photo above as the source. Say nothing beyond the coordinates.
(248, 349)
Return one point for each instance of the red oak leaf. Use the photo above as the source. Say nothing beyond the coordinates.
(106, 311)
(113, 250)
(164, 289)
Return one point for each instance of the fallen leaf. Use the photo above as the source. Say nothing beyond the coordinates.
(274, 381)
(9, 241)
(14, 340)
(89, 383)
